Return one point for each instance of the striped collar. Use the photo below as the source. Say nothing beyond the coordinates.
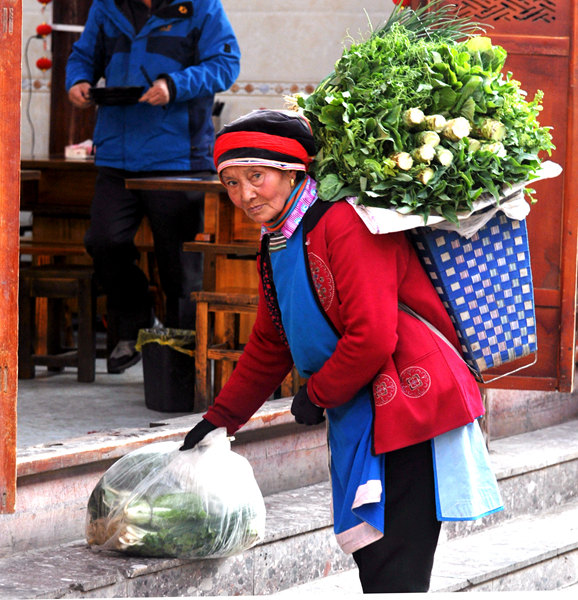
(306, 199)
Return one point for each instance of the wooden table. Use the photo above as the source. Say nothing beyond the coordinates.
(58, 192)
(229, 244)
(61, 197)
(65, 186)
(228, 234)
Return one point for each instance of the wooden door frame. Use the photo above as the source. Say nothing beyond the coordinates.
(562, 298)
(570, 239)
(10, 96)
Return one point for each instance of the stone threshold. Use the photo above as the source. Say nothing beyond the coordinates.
(540, 448)
(113, 444)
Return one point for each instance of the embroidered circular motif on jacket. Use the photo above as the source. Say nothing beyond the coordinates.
(384, 389)
(415, 382)
(322, 280)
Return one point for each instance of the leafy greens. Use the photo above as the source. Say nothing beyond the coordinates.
(369, 145)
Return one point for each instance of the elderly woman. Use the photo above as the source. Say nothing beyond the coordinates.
(406, 450)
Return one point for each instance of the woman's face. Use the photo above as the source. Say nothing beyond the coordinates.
(260, 192)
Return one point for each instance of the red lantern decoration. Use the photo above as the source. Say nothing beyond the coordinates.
(44, 29)
(44, 63)
(45, 2)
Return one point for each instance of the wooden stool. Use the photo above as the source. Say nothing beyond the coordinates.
(211, 345)
(219, 346)
(57, 282)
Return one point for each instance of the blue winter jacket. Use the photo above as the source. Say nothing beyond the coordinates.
(193, 46)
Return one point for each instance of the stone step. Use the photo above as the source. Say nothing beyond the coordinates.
(532, 543)
(536, 471)
(531, 553)
(299, 555)
(55, 479)
(299, 546)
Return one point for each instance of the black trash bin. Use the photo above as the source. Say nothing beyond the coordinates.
(168, 368)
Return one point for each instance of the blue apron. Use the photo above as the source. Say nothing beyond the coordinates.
(357, 476)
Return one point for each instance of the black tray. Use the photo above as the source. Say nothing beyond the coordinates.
(115, 96)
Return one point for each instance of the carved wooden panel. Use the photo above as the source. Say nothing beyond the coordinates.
(510, 11)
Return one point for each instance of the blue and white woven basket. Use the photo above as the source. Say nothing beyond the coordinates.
(485, 283)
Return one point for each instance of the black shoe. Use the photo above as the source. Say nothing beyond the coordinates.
(122, 357)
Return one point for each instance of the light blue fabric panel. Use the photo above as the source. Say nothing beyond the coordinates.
(466, 487)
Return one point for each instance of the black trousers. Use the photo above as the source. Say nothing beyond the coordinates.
(116, 214)
(402, 560)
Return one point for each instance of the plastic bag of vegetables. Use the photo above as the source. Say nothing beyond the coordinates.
(160, 502)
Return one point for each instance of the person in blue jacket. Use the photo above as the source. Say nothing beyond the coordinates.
(181, 53)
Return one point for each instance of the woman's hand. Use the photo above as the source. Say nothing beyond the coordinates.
(79, 95)
(197, 433)
(304, 411)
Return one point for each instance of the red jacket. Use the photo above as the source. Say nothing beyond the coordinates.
(421, 387)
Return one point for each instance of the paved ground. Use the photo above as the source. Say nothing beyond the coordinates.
(55, 407)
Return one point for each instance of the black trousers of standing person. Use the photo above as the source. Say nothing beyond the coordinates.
(402, 560)
(116, 214)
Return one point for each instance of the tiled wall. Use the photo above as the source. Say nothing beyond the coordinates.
(36, 84)
(290, 46)
(286, 47)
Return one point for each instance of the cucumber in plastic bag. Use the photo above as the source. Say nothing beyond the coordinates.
(160, 502)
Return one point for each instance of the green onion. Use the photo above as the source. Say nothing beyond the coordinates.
(444, 156)
(490, 129)
(413, 117)
(496, 148)
(456, 129)
(435, 122)
(425, 175)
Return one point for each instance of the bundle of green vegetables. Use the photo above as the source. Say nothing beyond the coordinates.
(420, 118)
(159, 502)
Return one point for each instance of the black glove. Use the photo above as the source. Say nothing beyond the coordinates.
(305, 412)
(197, 433)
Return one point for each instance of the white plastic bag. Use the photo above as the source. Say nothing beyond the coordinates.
(160, 502)
(387, 220)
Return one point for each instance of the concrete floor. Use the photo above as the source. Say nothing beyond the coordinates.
(54, 407)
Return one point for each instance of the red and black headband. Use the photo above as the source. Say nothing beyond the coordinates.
(266, 137)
